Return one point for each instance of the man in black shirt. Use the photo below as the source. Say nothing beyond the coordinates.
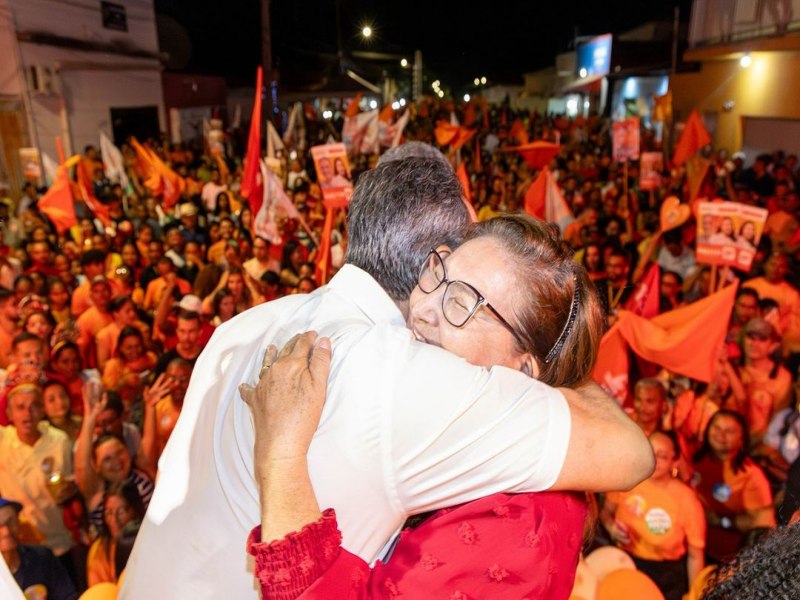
(31, 565)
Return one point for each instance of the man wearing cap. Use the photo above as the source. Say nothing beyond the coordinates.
(167, 319)
(94, 318)
(189, 228)
(31, 565)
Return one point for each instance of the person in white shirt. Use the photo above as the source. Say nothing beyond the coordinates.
(211, 190)
(401, 418)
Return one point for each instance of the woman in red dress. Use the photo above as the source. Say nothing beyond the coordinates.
(501, 546)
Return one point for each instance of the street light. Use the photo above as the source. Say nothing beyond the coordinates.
(373, 104)
(745, 61)
(583, 72)
(466, 97)
(477, 81)
(366, 31)
(483, 80)
(404, 63)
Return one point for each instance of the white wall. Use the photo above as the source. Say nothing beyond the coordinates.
(81, 19)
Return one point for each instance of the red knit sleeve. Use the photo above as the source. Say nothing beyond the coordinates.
(308, 564)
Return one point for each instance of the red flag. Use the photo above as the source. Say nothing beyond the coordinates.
(545, 201)
(694, 137)
(644, 300)
(251, 183)
(57, 202)
(463, 179)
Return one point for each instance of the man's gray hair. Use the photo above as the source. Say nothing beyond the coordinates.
(411, 149)
(398, 212)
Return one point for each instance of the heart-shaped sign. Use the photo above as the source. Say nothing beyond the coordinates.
(673, 213)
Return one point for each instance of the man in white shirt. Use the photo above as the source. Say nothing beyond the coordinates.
(407, 427)
(261, 261)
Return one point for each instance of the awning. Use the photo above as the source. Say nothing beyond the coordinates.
(585, 85)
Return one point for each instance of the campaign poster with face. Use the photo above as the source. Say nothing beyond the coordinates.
(728, 233)
(625, 137)
(333, 174)
(651, 165)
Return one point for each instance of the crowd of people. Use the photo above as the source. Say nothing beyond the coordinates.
(101, 326)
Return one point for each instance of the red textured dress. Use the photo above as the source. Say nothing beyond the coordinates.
(504, 546)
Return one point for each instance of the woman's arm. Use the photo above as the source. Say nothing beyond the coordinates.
(695, 561)
(285, 422)
(85, 476)
(147, 455)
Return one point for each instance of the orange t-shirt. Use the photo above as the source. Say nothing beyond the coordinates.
(663, 519)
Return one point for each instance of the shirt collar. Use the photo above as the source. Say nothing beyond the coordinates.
(360, 288)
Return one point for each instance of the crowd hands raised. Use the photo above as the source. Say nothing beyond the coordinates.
(100, 328)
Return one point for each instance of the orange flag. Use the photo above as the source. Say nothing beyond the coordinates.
(86, 190)
(545, 201)
(387, 114)
(685, 340)
(537, 154)
(162, 181)
(612, 367)
(693, 138)
(445, 133)
(251, 183)
(352, 110)
(644, 300)
(463, 179)
(696, 170)
(57, 202)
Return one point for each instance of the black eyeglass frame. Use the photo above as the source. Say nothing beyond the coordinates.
(480, 302)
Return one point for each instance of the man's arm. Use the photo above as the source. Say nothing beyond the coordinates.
(602, 440)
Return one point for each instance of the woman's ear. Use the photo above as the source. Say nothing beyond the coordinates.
(529, 365)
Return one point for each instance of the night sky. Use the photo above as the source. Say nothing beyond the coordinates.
(458, 40)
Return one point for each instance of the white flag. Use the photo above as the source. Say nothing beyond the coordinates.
(394, 132)
(274, 141)
(288, 135)
(273, 202)
(50, 167)
(112, 161)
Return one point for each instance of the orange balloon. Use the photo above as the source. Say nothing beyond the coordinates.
(100, 591)
(608, 559)
(625, 583)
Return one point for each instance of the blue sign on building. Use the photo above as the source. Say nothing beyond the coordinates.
(595, 56)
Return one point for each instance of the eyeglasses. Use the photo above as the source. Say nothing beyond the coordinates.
(460, 300)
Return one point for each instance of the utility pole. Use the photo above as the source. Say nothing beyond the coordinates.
(266, 55)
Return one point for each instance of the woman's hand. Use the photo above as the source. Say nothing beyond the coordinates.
(288, 399)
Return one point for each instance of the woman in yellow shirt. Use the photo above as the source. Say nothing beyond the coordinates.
(660, 522)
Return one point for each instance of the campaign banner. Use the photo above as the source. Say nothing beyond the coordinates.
(333, 174)
(651, 165)
(31, 163)
(728, 233)
(625, 139)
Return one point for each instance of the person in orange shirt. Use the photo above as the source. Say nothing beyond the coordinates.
(660, 522)
(733, 489)
(156, 288)
(9, 325)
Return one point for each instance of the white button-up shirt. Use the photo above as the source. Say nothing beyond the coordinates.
(406, 428)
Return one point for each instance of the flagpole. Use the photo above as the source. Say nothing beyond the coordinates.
(60, 150)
